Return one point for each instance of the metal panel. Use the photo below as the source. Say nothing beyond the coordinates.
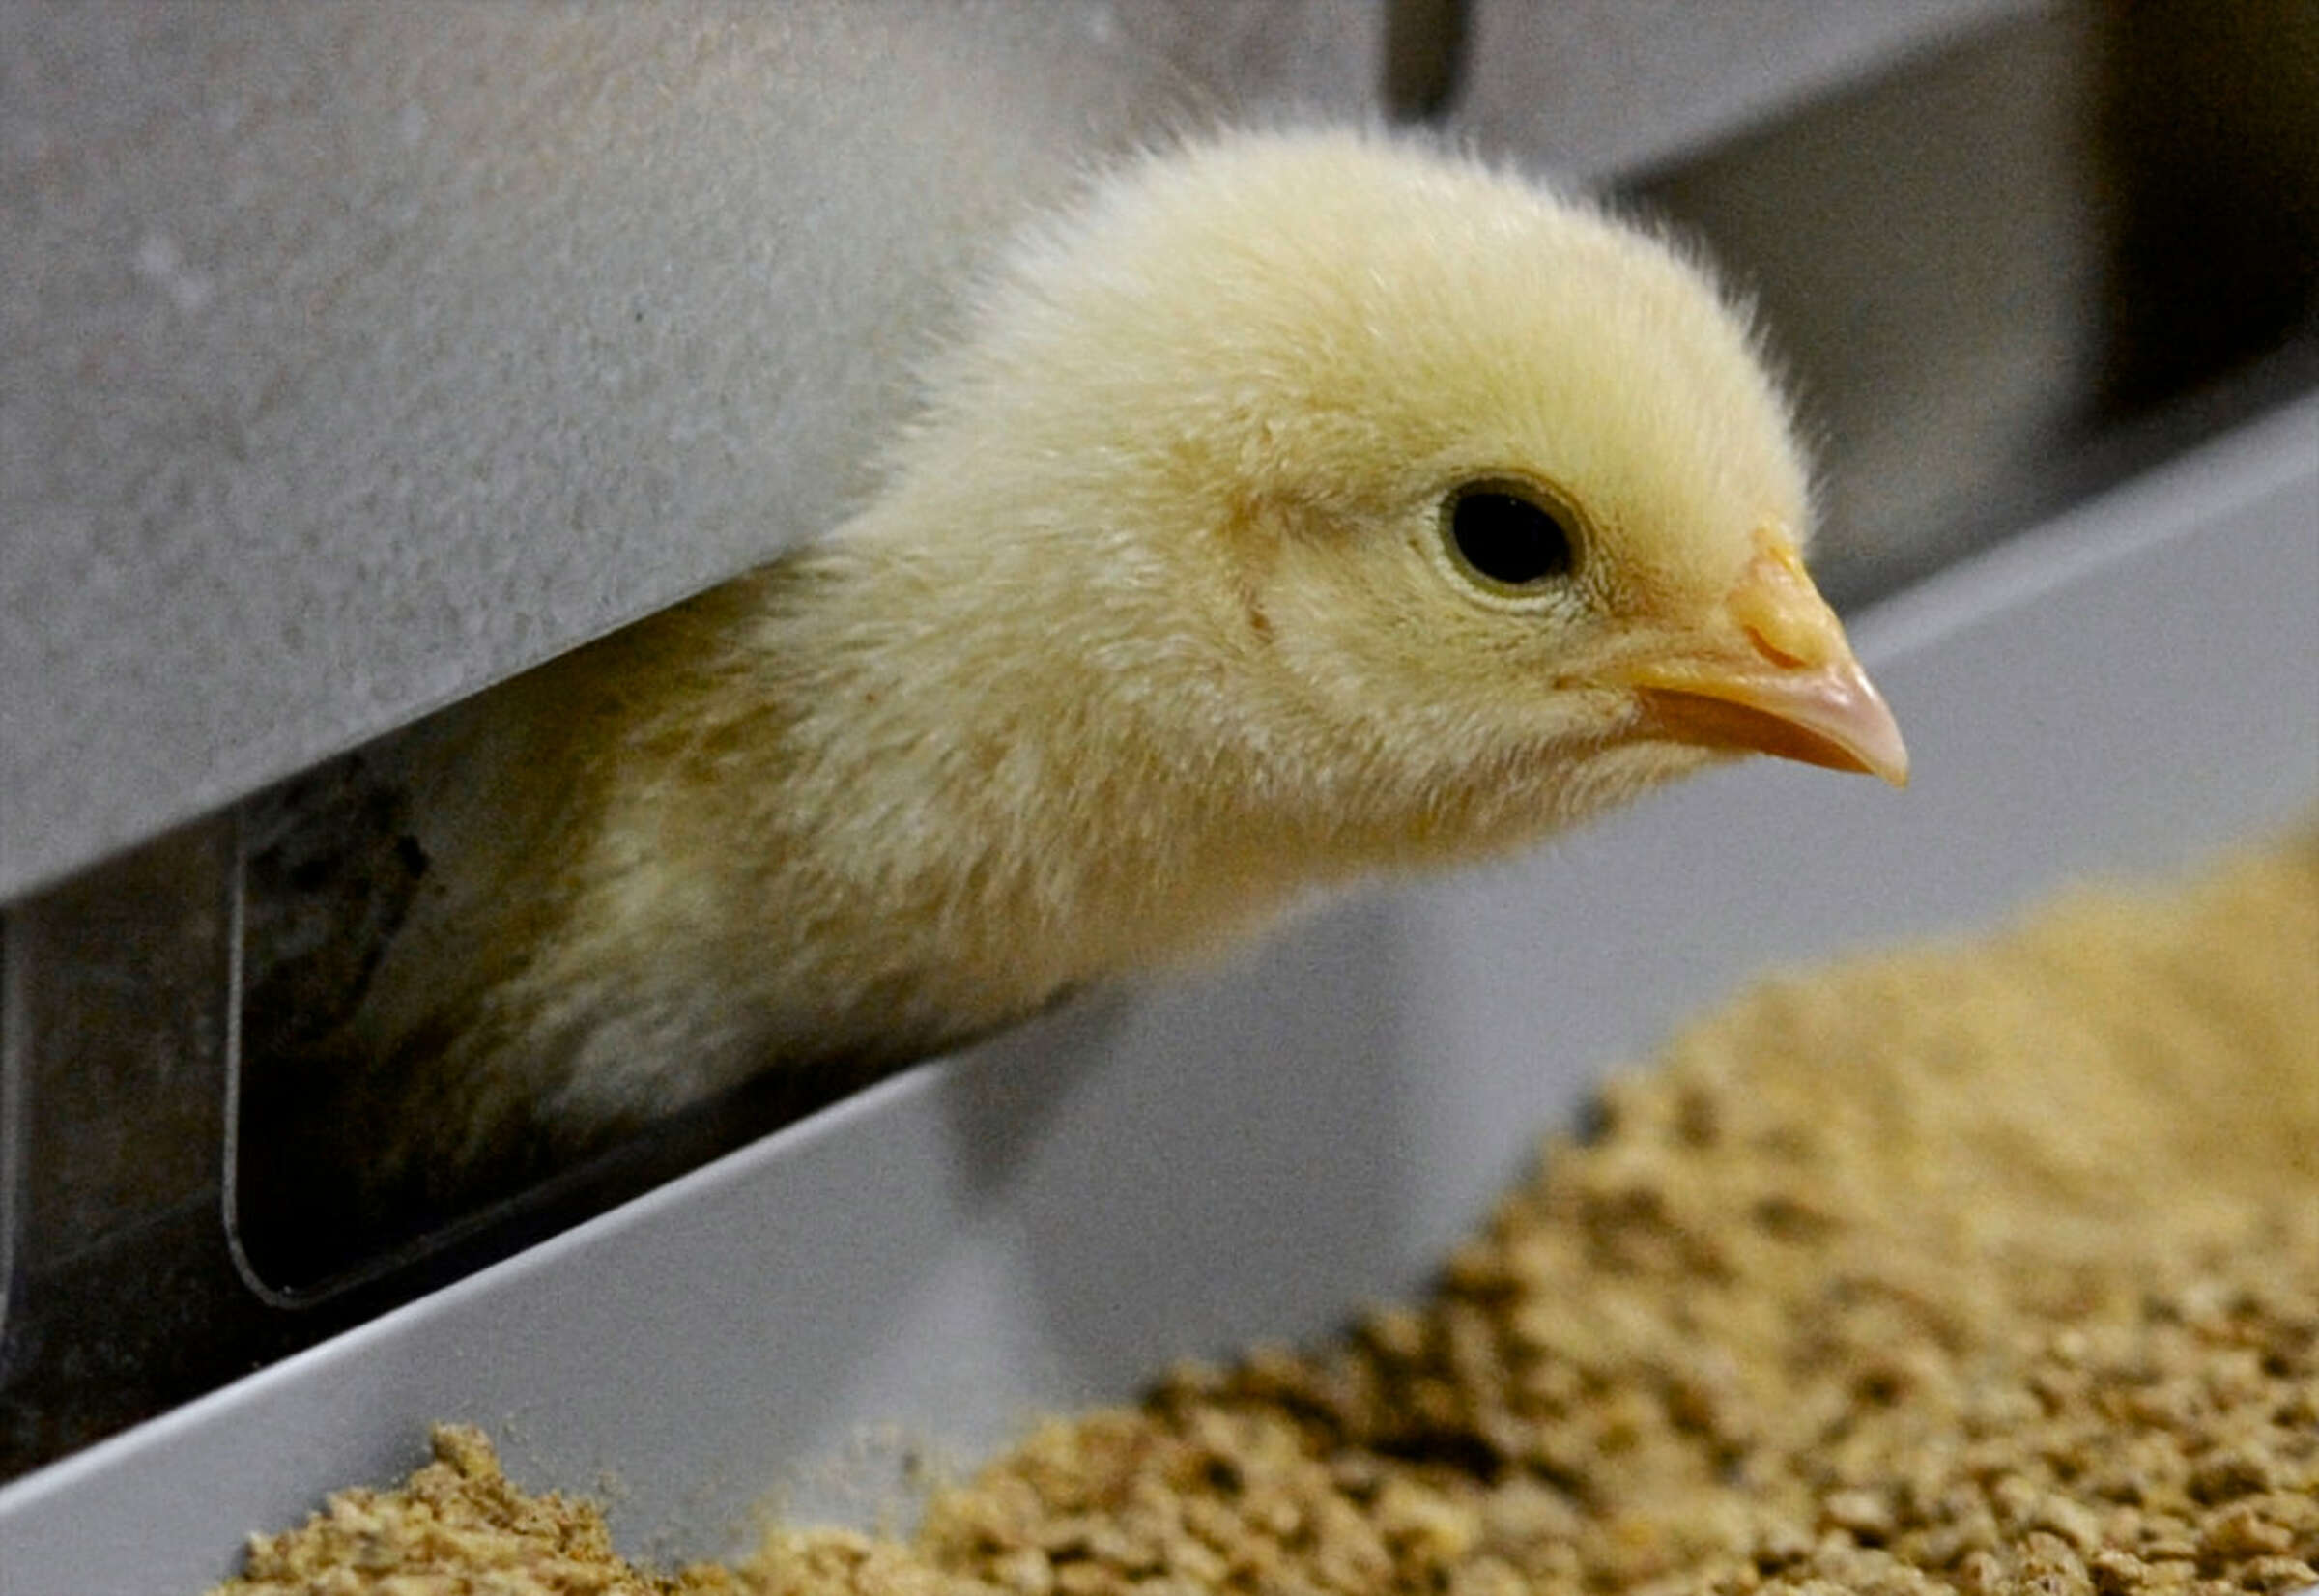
(1598, 87)
(352, 357)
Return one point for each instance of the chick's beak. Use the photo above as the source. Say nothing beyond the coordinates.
(1781, 682)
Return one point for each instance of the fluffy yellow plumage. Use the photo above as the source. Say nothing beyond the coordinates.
(1299, 508)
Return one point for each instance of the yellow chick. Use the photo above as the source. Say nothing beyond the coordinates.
(1302, 507)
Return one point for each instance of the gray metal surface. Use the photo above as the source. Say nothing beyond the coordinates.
(1603, 86)
(1255, 1152)
(355, 357)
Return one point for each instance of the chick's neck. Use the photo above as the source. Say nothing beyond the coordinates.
(1052, 756)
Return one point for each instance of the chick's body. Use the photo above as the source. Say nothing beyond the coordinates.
(1160, 620)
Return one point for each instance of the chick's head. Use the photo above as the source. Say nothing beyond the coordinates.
(1487, 496)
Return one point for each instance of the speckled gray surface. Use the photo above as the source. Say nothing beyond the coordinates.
(1600, 86)
(357, 355)
(352, 357)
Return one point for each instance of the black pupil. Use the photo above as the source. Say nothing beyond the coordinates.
(1507, 538)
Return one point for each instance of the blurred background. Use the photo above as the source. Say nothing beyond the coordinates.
(352, 360)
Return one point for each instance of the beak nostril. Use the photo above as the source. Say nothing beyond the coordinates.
(1781, 613)
(1769, 647)
(1787, 623)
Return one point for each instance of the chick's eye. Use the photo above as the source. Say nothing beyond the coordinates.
(1506, 536)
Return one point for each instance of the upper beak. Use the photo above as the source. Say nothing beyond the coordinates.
(1783, 682)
